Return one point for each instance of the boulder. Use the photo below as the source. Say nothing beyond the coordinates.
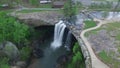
(37, 52)
(61, 61)
(14, 67)
(21, 64)
(9, 49)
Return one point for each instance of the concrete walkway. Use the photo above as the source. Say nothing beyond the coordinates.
(96, 63)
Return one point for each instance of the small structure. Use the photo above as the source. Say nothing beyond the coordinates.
(4, 6)
(58, 4)
(45, 1)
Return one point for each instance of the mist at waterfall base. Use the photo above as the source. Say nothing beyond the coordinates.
(51, 57)
(58, 34)
(55, 52)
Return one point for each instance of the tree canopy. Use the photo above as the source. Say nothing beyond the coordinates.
(77, 59)
(12, 30)
(69, 9)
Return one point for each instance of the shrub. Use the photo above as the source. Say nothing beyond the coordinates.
(104, 56)
(12, 30)
(34, 2)
(89, 24)
(76, 48)
(25, 53)
(69, 10)
(4, 62)
(77, 59)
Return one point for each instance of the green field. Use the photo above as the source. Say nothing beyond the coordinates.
(89, 24)
(30, 11)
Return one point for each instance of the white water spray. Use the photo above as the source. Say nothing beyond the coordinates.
(58, 34)
(68, 40)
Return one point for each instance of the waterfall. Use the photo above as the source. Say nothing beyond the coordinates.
(68, 40)
(58, 34)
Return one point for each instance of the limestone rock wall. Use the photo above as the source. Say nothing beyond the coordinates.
(40, 18)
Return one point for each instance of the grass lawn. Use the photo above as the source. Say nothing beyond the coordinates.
(105, 57)
(30, 11)
(114, 26)
(89, 24)
(7, 11)
(108, 59)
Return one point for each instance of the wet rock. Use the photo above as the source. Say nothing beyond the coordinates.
(37, 52)
(14, 67)
(21, 64)
(61, 61)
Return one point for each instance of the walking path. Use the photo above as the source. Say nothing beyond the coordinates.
(96, 63)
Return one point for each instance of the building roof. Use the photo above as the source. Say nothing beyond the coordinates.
(58, 3)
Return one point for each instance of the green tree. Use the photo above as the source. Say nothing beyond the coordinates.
(76, 48)
(117, 5)
(25, 53)
(77, 59)
(69, 10)
(20, 33)
(34, 2)
(79, 6)
(4, 62)
(12, 30)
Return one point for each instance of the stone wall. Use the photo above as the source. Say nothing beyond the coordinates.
(76, 32)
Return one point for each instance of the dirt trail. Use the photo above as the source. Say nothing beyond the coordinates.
(96, 63)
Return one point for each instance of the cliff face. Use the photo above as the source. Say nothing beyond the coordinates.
(40, 18)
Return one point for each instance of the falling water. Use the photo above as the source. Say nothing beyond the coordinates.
(58, 34)
(68, 40)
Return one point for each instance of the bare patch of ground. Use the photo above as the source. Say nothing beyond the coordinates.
(106, 43)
